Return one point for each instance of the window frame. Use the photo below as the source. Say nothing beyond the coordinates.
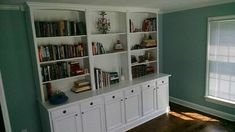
(209, 98)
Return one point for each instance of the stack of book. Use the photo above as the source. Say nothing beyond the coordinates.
(98, 48)
(57, 52)
(59, 28)
(104, 79)
(81, 85)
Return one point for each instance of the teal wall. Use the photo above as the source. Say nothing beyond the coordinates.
(184, 52)
(16, 68)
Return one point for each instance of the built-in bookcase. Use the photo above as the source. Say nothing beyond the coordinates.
(64, 36)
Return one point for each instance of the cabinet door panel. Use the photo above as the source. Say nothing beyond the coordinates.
(162, 96)
(132, 105)
(69, 123)
(149, 100)
(92, 120)
(114, 114)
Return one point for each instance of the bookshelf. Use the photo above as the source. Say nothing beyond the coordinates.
(66, 38)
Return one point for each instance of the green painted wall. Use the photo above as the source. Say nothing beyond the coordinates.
(16, 68)
(184, 52)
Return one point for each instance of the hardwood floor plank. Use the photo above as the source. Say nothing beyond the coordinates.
(183, 119)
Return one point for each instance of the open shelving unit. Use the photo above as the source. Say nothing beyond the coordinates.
(129, 28)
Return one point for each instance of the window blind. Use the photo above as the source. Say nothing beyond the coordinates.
(221, 59)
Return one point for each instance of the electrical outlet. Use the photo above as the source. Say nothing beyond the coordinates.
(24, 130)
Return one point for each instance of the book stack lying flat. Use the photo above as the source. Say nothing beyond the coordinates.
(81, 85)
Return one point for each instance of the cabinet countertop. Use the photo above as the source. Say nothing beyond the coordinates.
(75, 98)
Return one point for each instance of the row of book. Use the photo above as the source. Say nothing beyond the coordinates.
(104, 79)
(149, 24)
(141, 70)
(59, 28)
(60, 70)
(57, 52)
(98, 48)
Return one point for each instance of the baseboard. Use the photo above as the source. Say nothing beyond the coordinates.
(204, 109)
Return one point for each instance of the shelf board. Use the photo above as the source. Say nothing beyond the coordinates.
(62, 60)
(108, 34)
(66, 78)
(134, 50)
(60, 37)
(111, 53)
(147, 62)
(132, 33)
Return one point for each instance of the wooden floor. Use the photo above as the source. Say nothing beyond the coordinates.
(182, 119)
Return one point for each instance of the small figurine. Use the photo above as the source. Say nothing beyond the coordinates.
(118, 46)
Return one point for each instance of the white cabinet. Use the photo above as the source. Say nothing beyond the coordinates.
(114, 111)
(67, 120)
(93, 116)
(162, 93)
(70, 123)
(149, 97)
(133, 103)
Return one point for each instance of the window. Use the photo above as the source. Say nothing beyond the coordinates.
(220, 86)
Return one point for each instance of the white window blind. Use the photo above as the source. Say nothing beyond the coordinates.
(221, 59)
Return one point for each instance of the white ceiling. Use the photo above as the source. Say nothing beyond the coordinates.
(163, 5)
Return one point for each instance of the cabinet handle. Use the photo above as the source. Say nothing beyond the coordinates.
(132, 91)
(162, 81)
(82, 112)
(148, 86)
(121, 99)
(91, 103)
(113, 97)
(125, 98)
(76, 114)
(64, 111)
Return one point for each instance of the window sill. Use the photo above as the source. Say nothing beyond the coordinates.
(220, 101)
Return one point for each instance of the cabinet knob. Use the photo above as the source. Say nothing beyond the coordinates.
(121, 99)
(154, 89)
(64, 111)
(91, 103)
(82, 112)
(148, 86)
(132, 91)
(162, 81)
(76, 114)
(125, 98)
(113, 97)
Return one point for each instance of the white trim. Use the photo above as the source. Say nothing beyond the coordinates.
(222, 18)
(204, 109)
(207, 96)
(12, 7)
(195, 6)
(83, 7)
(220, 101)
(4, 107)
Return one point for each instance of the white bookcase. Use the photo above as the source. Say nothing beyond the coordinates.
(111, 61)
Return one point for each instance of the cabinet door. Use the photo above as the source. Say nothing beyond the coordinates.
(162, 96)
(133, 105)
(149, 100)
(114, 111)
(69, 123)
(93, 119)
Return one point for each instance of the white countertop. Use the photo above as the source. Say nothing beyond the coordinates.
(76, 97)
